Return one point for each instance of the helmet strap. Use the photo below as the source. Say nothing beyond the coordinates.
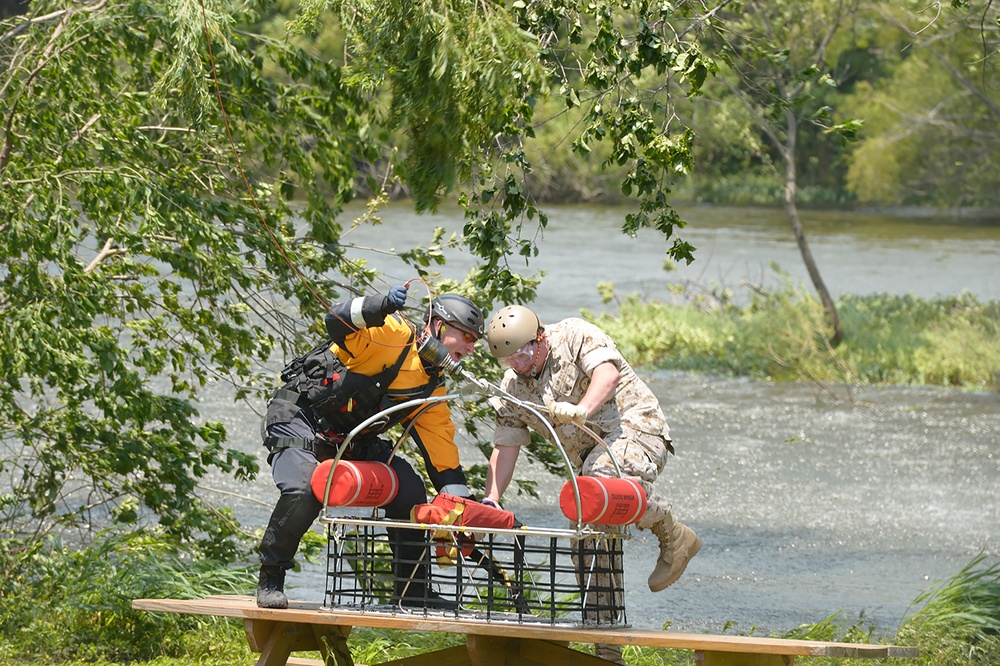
(542, 344)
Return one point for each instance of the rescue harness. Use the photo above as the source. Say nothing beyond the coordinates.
(336, 399)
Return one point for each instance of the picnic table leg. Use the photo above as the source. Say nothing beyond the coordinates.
(492, 650)
(709, 658)
(277, 640)
(511, 651)
(333, 646)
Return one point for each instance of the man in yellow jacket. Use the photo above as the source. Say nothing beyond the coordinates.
(373, 358)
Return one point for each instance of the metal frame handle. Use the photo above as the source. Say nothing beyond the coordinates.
(364, 424)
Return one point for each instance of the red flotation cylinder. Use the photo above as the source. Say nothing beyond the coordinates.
(356, 483)
(604, 501)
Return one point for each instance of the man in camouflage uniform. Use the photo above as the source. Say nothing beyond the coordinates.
(574, 369)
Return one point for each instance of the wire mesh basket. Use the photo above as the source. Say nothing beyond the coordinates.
(548, 576)
(554, 576)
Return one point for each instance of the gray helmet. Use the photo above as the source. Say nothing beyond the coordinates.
(459, 310)
(511, 328)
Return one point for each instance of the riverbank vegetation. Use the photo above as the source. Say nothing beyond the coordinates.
(954, 622)
(778, 335)
(901, 108)
(171, 180)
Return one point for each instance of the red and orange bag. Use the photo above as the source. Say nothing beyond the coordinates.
(452, 510)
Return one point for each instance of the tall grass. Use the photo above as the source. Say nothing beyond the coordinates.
(74, 609)
(957, 624)
(64, 603)
(959, 618)
(781, 335)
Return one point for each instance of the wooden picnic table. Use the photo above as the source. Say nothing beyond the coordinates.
(305, 626)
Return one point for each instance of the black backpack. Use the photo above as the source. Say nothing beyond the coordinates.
(339, 398)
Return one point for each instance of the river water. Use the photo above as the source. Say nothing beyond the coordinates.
(810, 501)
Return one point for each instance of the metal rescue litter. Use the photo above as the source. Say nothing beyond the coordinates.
(486, 565)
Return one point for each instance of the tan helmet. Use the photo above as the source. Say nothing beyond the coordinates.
(511, 328)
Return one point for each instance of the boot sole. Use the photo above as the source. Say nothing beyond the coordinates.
(273, 606)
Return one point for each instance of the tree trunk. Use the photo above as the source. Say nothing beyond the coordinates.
(792, 211)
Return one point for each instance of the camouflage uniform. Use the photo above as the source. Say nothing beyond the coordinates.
(631, 424)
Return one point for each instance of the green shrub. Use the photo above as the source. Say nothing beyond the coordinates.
(958, 624)
(60, 603)
(782, 335)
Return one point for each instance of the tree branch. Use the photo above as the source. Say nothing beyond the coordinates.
(10, 34)
(165, 129)
(43, 60)
(106, 252)
(762, 122)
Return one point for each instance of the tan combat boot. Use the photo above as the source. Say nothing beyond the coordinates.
(678, 544)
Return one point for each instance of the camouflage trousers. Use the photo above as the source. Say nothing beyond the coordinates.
(598, 565)
(641, 457)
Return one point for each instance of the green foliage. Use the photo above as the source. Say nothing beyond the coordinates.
(781, 66)
(646, 656)
(457, 73)
(615, 65)
(938, 149)
(915, 89)
(560, 173)
(376, 646)
(965, 609)
(957, 625)
(868, 60)
(762, 186)
(134, 271)
(67, 603)
(952, 341)
(149, 160)
(463, 82)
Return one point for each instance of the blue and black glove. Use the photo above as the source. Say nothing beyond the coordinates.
(396, 299)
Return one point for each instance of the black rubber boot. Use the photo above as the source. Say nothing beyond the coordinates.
(419, 595)
(410, 563)
(271, 588)
(291, 518)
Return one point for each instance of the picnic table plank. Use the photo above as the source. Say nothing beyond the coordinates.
(306, 626)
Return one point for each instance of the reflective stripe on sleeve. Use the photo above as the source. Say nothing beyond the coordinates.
(357, 318)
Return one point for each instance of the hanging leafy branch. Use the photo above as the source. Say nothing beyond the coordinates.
(135, 268)
(463, 82)
(618, 65)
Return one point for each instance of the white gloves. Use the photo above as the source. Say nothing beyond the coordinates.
(567, 412)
